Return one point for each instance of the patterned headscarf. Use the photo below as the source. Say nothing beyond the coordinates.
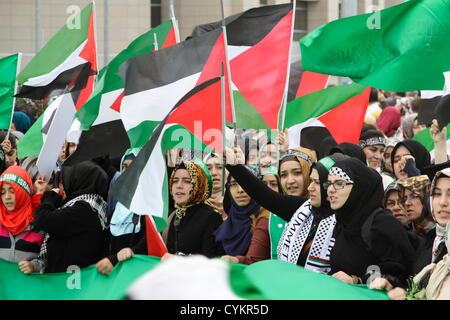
(201, 184)
(419, 185)
(306, 158)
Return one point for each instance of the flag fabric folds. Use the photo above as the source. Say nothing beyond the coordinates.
(269, 279)
(194, 123)
(321, 119)
(8, 71)
(401, 48)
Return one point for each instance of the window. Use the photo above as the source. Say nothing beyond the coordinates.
(301, 20)
(155, 13)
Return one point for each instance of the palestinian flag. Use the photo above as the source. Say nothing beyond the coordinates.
(402, 48)
(424, 137)
(195, 122)
(9, 67)
(31, 143)
(435, 104)
(67, 63)
(103, 132)
(185, 278)
(259, 44)
(155, 82)
(322, 119)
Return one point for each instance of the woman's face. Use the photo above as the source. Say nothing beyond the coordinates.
(393, 204)
(387, 158)
(271, 181)
(215, 168)
(413, 205)
(441, 201)
(239, 195)
(181, 187)
(338, 191)
(399, 154)
(268, 156)
(314, 189)
(291, 178)
(8, 197)
(374, 155)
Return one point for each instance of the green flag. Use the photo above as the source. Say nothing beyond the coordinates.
(401, 48)
(8, 71)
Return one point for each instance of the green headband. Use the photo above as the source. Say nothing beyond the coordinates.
(10, 177)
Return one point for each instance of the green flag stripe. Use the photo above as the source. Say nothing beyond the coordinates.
(59, 47)
(8, 72)
(317, 103)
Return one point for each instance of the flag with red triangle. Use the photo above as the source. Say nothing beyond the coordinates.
(195, 123)
(322, 119)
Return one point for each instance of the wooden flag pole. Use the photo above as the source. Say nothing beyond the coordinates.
(19, 60)
(223, 102)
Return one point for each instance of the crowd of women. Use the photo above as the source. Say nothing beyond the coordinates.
(372, 213)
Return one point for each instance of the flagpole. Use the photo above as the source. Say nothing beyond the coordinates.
(174, 21)
(155, 42)
(223, 102)
(286, 88)
(19, 61)
(228, 70)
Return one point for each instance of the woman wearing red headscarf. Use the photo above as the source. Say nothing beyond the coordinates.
(19, 242)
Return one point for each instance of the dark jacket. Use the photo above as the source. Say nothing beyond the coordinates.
(195, 232)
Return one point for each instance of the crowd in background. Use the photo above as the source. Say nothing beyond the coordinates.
(373, 213)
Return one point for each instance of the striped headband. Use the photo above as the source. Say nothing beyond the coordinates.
(336, 171)
(372, 142)
(21, 182)
(299, 154)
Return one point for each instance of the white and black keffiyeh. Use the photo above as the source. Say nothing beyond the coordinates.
(295, 234)
(97, 204)
(336, 171)
(372, 142)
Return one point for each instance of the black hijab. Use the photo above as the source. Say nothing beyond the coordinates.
(83, 178)
(323, 166)
(366, 195)
(350, 149)
(418, 151)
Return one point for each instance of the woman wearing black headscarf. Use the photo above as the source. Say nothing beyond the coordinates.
(410, 158)
(308, 238)
(349, 149)
(76, 225)
(368, 238)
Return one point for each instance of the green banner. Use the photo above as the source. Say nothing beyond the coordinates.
(273, 279)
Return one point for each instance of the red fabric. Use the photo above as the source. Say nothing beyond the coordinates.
(342, 126)
(36, 200)
(389, 120)
(311, 82)
(155, 244)
(18, 219)
(260, 246)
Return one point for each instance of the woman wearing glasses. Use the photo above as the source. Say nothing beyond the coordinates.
(369, 241)
(414, 193)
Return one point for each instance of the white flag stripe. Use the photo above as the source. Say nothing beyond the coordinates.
(145, 201)
(105, 113)
(71, 61)
(294, 132)
(56, 135)
(154, 104)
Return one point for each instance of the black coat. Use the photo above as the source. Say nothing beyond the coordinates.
(424, 252)
(195, 232)
(76, 235)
